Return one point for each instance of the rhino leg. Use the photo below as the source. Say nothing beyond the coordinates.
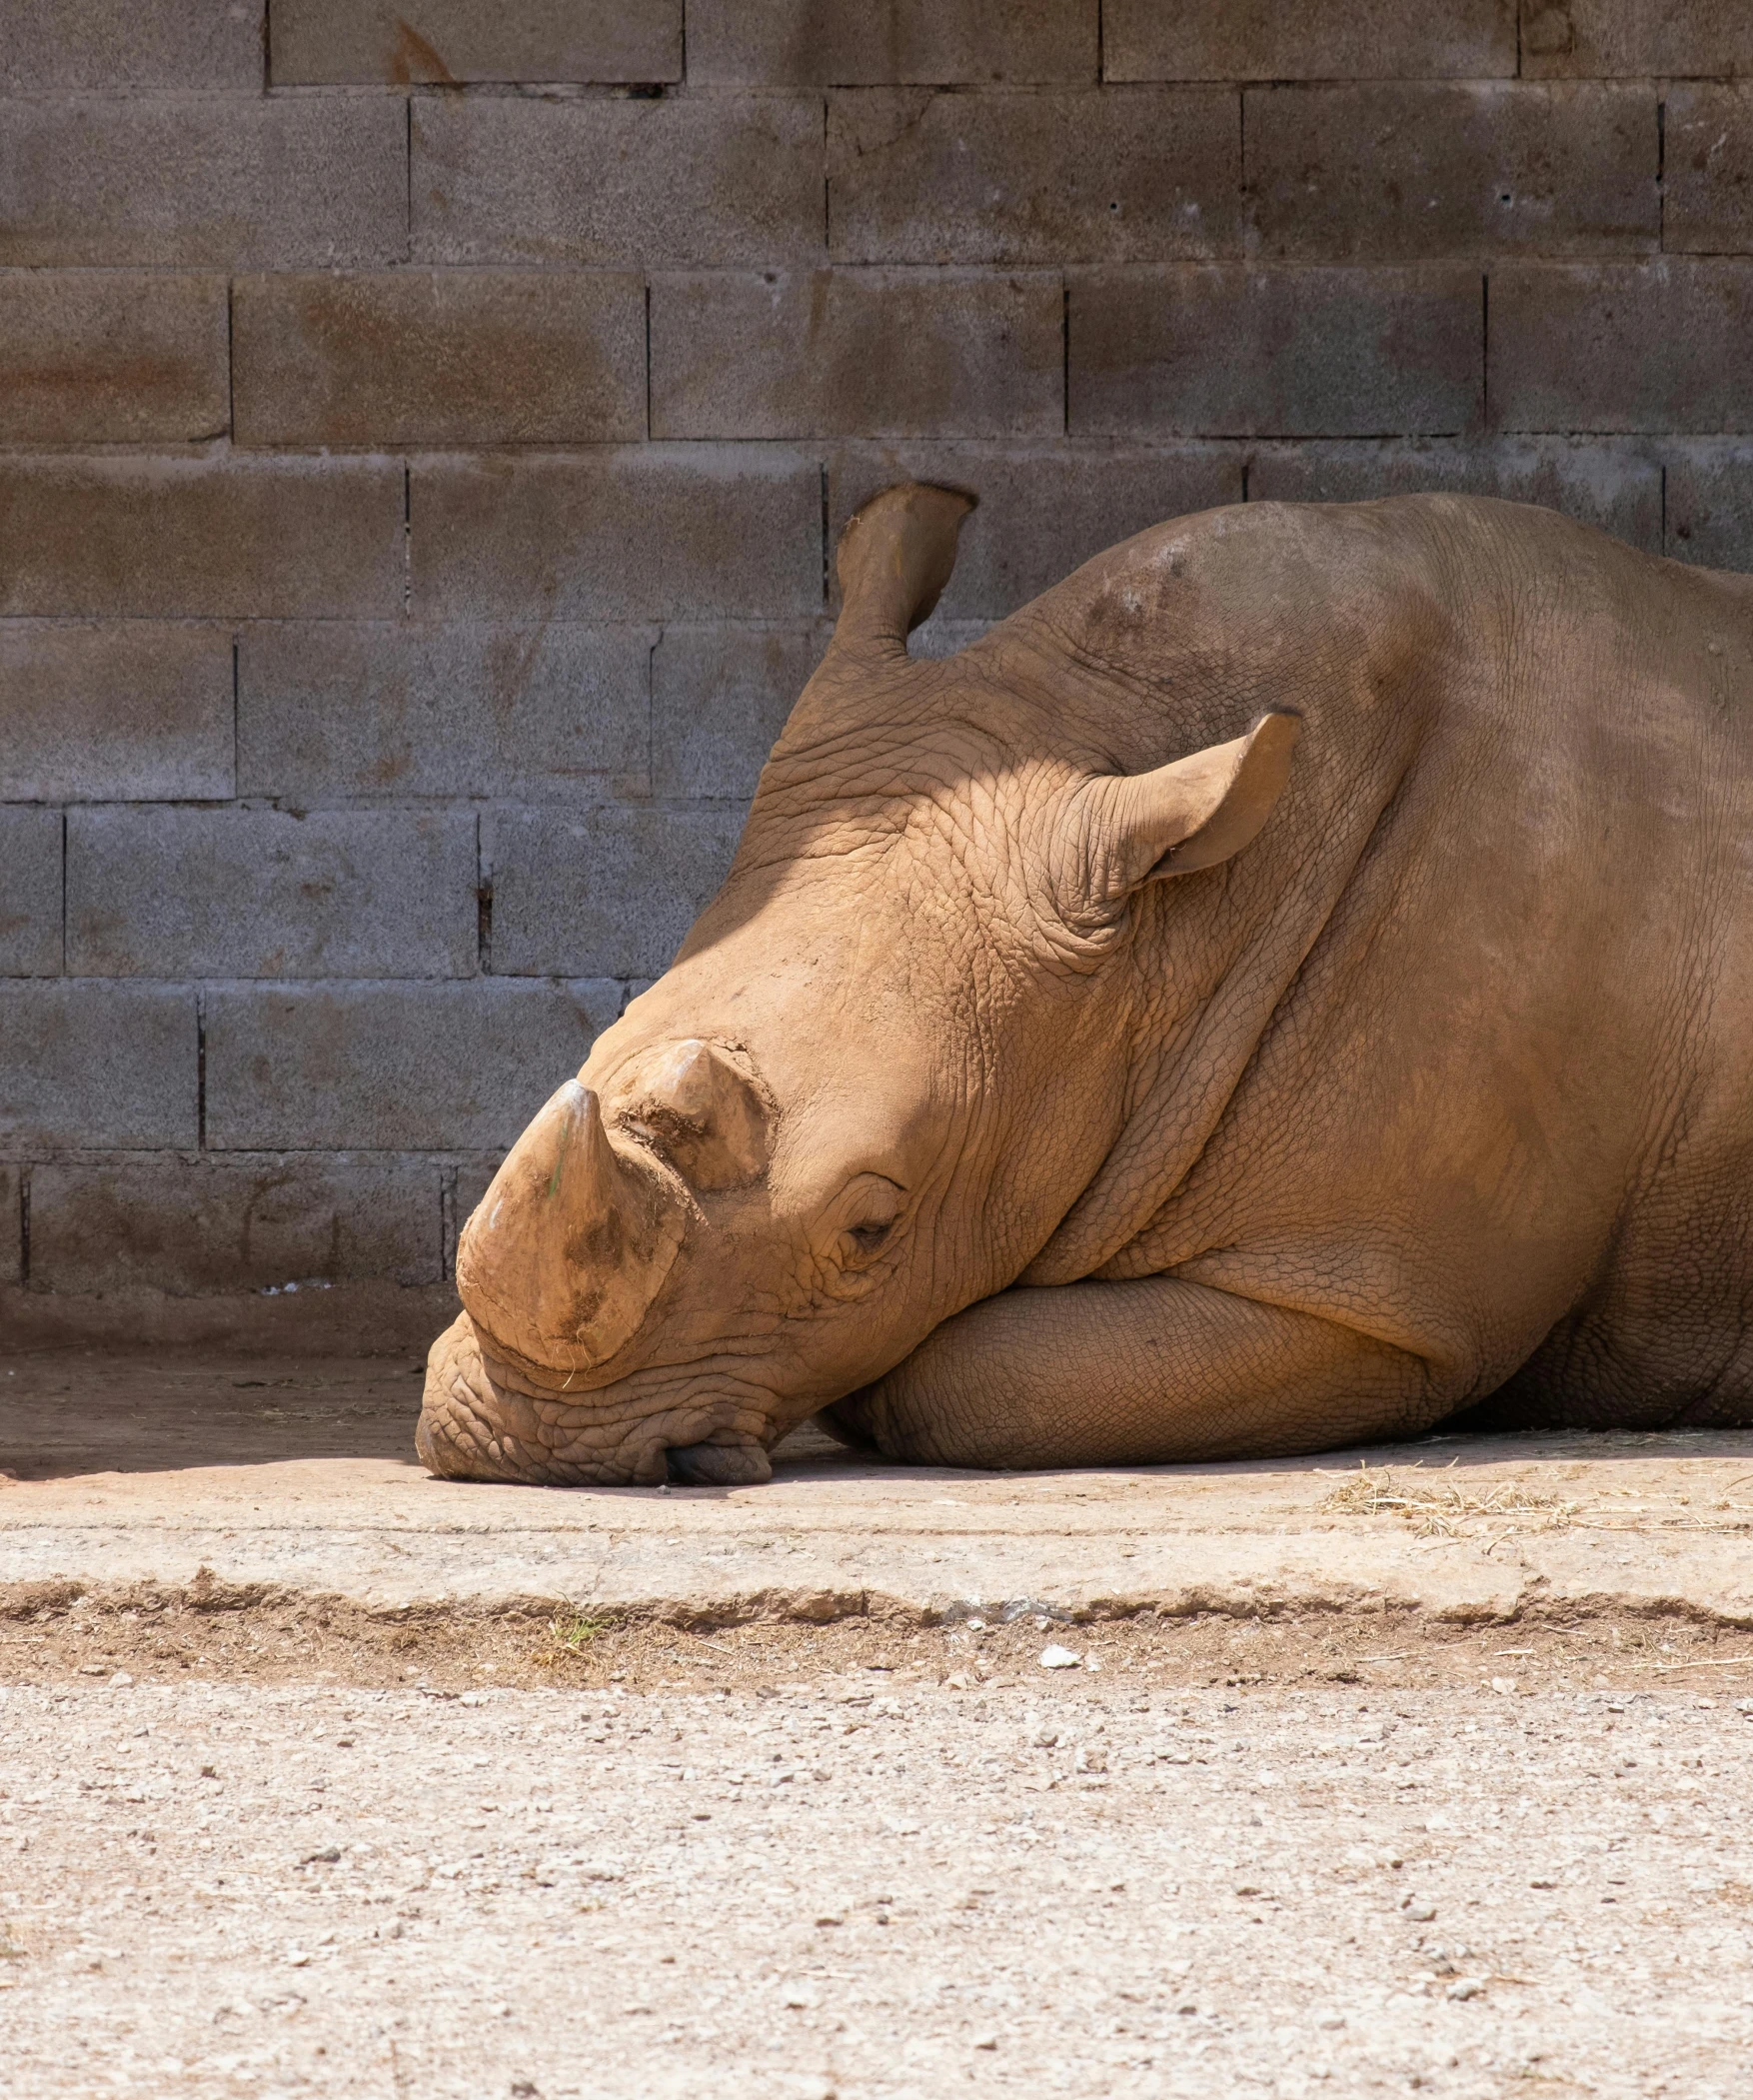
(1150, 1372)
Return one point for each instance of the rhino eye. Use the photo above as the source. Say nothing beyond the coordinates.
(870, 1237)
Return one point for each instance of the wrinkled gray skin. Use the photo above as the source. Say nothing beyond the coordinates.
(1433, 1093)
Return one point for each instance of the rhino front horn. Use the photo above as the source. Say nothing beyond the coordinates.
(570, 1243)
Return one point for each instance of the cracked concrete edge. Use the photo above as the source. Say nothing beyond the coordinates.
(1708, 1589)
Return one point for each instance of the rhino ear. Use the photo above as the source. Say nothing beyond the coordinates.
(707, 1116)
(1190, 814)
(894, 560)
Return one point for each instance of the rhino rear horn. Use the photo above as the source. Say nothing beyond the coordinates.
(895, 558)
(1187, 815)
(570, 1243)
(707, 1117)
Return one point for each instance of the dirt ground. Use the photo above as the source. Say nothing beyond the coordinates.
(258, 1840)
(859, 1880)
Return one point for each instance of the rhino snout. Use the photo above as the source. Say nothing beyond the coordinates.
(473, 1426)
(741, 1465)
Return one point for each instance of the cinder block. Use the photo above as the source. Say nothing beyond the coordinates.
(475, 357)
(713, 180)
(217, 538)
(1043, 509)
(392, 1067)
(1708, 173)
(11, 1224)
(30, 892)
(1081, 175)
(1710, 503)
(1224, 349)
(856, 43)
(93, 1064)
(470, 1181)
(1404, 170)
(194, 1226)
(1613, 484)
(845, 353)
(647, 533)
(1310, 40)
(546, 712)
(204, 181)
(96, 714)
(435, 41)
(1596, 38)
(1665, 345)
(720, 697)
(938, 638)
(49, 44)
(609, 891)
(101, 357)
(261, 893)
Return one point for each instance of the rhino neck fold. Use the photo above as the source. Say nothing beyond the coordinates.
(1181, 1103)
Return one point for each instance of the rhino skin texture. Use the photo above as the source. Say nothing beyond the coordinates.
(1065, 1075)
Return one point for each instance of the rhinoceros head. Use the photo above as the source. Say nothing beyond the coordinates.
(876, 1076)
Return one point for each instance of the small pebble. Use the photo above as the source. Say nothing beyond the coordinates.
(121, 1678)
(1057, 1658)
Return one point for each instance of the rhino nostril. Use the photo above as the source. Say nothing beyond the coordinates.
(717, 1465)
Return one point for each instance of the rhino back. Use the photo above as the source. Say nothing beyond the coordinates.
(1469, 1059)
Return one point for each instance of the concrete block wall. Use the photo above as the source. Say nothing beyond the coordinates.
(424, 427)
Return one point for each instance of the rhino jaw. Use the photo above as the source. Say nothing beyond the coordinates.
(570, 1243)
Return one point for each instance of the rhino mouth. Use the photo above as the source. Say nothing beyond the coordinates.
(481, 1420)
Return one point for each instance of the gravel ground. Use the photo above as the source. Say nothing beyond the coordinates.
(873, 1882)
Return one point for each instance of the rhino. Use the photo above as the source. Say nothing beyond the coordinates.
(1286, 986)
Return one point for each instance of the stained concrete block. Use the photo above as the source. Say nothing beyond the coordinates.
(468, 1182)
(1707, 185)
(936, 639)
(547, 711)
(112, 357)
(836, 43)
(1710, 502)
(1615, 484)
(194, 1225)
(720, 697)
(204, 181)
(1043, 509)
(607, 183)
(1312, 40)
(1084, 175)
(93, 1064)
(392, 1067)
(476, 357)
(605, 892)
(11, 1222)
(1665, 345)
(685, 532)
(262, 893)
(51, 44)
(218, 538)
(1228, 349)
(30, 892)
(363, 42)
(1591, 38)
(1400, 170)
(96, 714)
(838, 353)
